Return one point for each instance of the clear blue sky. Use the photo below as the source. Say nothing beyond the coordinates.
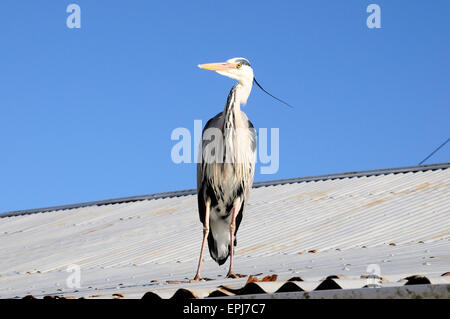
(86, 114)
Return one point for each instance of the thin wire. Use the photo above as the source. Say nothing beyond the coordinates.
(256, 82)
(432, 153)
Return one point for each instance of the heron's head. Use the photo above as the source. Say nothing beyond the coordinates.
(236, 68)
(240, 70)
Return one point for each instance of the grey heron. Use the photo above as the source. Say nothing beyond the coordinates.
(225, 172)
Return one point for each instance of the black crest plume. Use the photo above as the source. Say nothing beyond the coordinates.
(259, 85)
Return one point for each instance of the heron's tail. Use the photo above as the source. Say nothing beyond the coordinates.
(217, 251)
(219, 243)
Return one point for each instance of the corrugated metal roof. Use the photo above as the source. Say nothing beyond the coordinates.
(255, 185)
(309, 228)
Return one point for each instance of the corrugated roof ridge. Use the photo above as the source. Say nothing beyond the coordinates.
(376, 172)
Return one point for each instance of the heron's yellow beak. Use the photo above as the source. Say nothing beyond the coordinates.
(225, 66)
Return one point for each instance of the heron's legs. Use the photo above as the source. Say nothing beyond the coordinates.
(205, 237)
(236, 208)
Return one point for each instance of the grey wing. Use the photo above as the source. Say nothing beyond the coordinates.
(247, 186)
(215, 122)
(253, 150)
(253, 134)
(203, 186)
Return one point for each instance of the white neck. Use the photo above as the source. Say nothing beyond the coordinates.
(243, 90)
(240, 93)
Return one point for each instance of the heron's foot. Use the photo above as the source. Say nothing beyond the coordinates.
(233, 275)
(197, 278)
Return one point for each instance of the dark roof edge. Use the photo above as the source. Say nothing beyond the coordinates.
(375, 172)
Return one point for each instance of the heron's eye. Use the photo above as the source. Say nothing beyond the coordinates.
(239, 65)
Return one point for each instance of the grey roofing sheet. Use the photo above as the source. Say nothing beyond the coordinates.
(375, 172)
(305, 228)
